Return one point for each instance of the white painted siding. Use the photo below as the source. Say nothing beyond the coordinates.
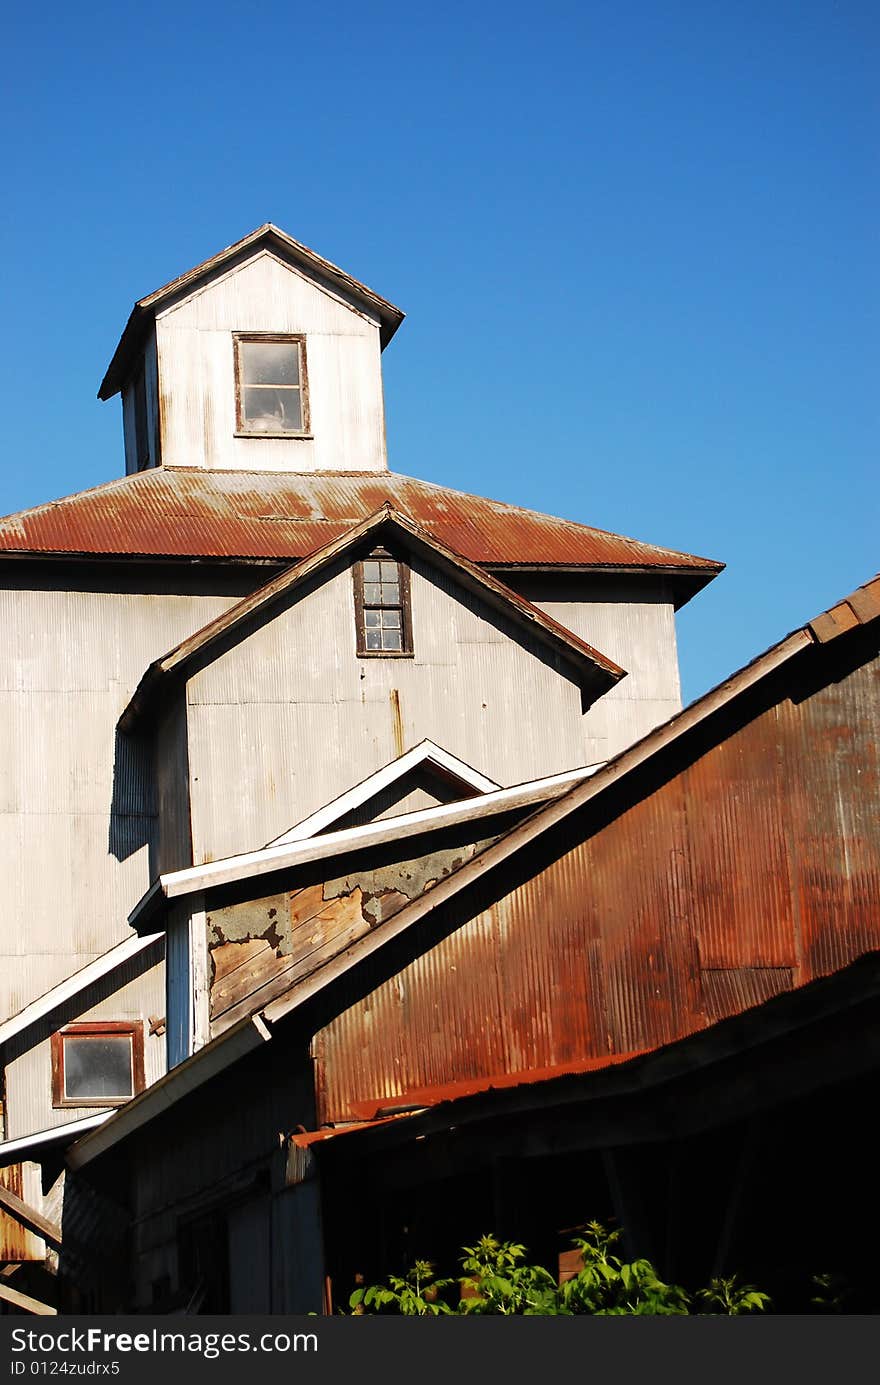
(290, 716)
(29, 1075)
(633, 622)
(196, 373)
(77, 811)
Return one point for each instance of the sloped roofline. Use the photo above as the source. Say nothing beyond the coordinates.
(425, 753)
(270, 236)
(186, 513)
(73, 985)
(859, 608)
(593, 671)
(283, 855)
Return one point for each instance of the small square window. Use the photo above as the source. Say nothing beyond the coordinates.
(271, 386)
(382, 607)
(97, 1064)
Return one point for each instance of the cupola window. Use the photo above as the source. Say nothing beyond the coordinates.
(271, 386)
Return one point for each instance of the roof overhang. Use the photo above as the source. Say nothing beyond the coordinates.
(288, 854)
(594, 672)
(73, 985)
(270, 237)
(426, 755)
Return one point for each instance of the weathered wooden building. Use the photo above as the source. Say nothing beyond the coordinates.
(649, 993)
(259, 616)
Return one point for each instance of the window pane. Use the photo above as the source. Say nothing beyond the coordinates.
(389, 572)
(371, 593)
(391, 639)
(371, 571)
(97, 1067)
(374, 639)
(390, 619)
(372, 619)
(269, 362)
(390, 594)
(272, 410)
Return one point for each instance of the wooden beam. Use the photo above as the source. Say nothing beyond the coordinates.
(30, 1218)
(24, 1301)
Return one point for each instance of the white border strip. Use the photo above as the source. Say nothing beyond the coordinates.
(425, 753)
(67, 989)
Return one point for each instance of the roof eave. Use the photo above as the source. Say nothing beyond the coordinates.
(594, 672)
(144, 311)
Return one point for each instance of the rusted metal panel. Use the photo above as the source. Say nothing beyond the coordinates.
(260, 948)
(751, 865)
(730, 990)
(280, 517)
(16, 1242)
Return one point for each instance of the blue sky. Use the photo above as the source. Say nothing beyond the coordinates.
(636, 244)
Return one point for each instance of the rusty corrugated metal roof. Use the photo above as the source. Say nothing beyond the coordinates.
(594, 669)
(745, 868)
(283, 516)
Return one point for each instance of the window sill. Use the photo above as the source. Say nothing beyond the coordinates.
(294, 437)
(93, 1103)
(386, 653)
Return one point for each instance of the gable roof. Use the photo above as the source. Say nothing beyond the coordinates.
(859, 608)
(424, 755)
(73, 985)
(281, 517)
(283, 855)
(266, 237)
(591, 670)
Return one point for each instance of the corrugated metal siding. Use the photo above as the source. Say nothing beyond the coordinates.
(635, 626)
(172, 788)
(15, 1242)
(754, 868)
(195, 342)
(137, 994)
(214, 1156)
(283, 516)
(77, 809)
(262, 714)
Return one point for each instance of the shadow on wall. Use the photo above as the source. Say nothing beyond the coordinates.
(133, 808)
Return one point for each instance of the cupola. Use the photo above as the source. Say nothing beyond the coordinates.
(264, 358)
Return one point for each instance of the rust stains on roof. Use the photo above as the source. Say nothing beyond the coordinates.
(591, 669)
(284, 516)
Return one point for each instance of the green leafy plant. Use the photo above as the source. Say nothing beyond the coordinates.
(498, 1280)
(416, 1294)
(608, 1286)
(728, 1297)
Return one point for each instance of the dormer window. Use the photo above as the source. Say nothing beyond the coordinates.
(382, 606)
(271, 386)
